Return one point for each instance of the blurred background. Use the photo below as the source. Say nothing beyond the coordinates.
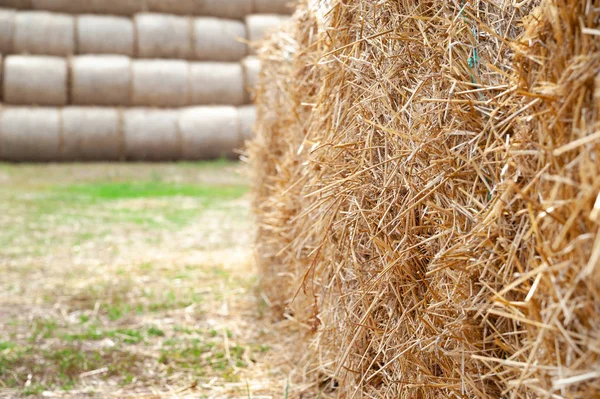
(125, 235)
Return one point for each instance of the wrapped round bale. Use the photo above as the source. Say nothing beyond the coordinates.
(234, 9)
(100, 34)
(209, 132)
(216, 83)
(35, 80)
(151, 134)
(160, 83)
(219, 39)
(29, 134)
(247, 115)
(274, 6)
(7, 23)
(18, 4)
(91, 134)
(261, 25)
(101, 80)
(40, 32)
(163, 36)
(251, 66)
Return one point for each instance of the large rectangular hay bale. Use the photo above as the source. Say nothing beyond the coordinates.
(274, 6)
(104, 34)
(7, 23)
(216, 83)
(29, 134)
(91, 134)
(40, 32)
(151, 134)
(251, 67)
(101, 80)
(219, 39)
(163, 36)
(35, 80)
(160, 83)
(209, 132)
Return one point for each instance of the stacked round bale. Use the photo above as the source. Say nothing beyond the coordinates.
(129, 80)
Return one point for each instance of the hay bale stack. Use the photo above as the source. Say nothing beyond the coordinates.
(39, 32)
(116, 7)
(247, 119)
(7, 23)
(100, 34)
(260, 25)
(16, 4)
(219, 39)
(209, 132)
(183, 7)
(91, 134)
(160, 83)
(251, 67)
(274, 6)
(101, 80)
(64, 6)
(163, 36)
(35, 80)
(216, 83)
(151, 134)
(230, 9)
(29, 134)
(428, 210)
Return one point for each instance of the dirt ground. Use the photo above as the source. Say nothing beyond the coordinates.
(132, 281)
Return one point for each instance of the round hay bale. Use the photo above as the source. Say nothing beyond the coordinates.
(274, 6)
(101, 80)
(163, 36)
(7, 23)
(233, 9)
(160, 83)
(100, 34)
(35, 80)
(216, 83)
(29, 134)
(118, 7)
(91, 134)
(40, 32)
(261, 25)
(251, 66)
(209, 132)
(151, 134)
(67, 6)
(184, 7)
(17, 4)
(219, 40)
(247, 118)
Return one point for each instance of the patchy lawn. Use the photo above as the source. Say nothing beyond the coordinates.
(130, 280)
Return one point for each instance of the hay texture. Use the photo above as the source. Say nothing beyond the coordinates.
(209, 132)
(35, 80)
(259, 26)
(219, 39)
(39, 32)
(220, 83)
(29, 134)
(7, 23)
(151, 134)
(101, 80)
(160, 83)
(426, 175)
(91, 134)
(274, 6)
(163, 36)
(103, 34)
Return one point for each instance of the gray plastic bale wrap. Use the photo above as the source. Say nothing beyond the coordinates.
(209, 132)
(163, 36)
(151, 134)
(100, 34)
(160, 83)
(232, 9)
(247, 115)
(35, 80)
(17, 4)
(29, 134)
(91, 134)
(216, 83)
(101, 80)
(251, 66)
(261, 25)
(7, 23)
(274, 6)
(40, 32)
(219, 39)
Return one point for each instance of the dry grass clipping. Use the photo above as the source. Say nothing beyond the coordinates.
(425, 177)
